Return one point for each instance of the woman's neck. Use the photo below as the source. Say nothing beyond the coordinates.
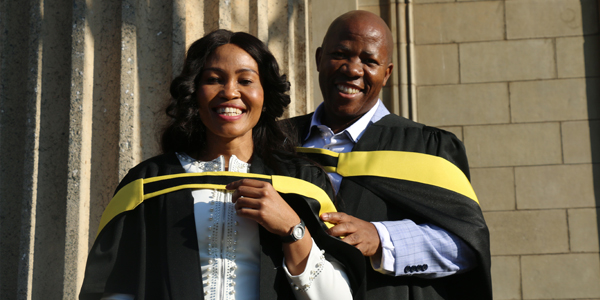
(241, 147)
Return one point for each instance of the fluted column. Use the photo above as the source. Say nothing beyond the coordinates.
(403, 100)
(129, 129)
(298, 68)
(84, 85)
(80, 143)
(188, 26)
(259, 25)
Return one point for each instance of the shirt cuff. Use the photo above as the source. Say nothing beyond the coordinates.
(321, 279)
(314, 267)
(384, 264)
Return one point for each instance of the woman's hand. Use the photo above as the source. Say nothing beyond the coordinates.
(259, 201)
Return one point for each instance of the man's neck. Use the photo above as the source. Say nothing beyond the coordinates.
(337, 124)
(340, 123)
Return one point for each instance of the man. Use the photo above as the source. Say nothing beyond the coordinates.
(424, 238)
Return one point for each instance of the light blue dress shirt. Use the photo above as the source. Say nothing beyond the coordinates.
(408, 249)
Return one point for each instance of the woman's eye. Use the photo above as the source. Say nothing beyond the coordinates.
(245, 81)
(212, 80)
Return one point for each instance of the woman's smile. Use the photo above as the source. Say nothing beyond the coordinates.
(229, 111)
(230, 95)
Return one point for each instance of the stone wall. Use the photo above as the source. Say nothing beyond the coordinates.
(518, 82)
(83, 87)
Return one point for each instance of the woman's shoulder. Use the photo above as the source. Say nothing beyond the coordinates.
(163, 164)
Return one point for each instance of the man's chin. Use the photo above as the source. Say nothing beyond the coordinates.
(343, 97)
(343, 102)
(346, 112)
(348, 108)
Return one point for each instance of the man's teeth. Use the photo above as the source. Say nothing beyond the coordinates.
(229, 111)
(347, 90)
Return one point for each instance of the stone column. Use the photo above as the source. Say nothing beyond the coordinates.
(83, 88)
(80, 143)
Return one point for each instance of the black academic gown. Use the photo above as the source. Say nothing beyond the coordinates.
(152, 251)
(374, 198)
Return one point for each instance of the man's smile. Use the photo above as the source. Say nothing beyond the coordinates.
(347, 90)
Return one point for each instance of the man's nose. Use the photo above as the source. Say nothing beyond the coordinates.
(353, 68)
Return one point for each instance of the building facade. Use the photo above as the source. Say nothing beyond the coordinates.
(84, 85)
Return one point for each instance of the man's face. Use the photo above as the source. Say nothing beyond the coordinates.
(353, 67)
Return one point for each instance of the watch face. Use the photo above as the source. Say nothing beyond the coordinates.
(298, 232)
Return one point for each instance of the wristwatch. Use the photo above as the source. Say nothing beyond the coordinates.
(297, 233)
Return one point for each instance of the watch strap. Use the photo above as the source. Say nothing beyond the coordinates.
(291, 237)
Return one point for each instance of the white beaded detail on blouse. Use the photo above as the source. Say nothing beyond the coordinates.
(226, 268)
(314, 273)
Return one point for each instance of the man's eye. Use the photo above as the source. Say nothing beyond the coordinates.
(370, 61)
(338, 55)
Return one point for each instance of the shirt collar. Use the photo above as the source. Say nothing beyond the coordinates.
(355, 130)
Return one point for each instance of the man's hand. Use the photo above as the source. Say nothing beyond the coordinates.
(361, 234)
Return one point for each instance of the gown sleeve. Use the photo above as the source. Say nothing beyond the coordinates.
(446, 145)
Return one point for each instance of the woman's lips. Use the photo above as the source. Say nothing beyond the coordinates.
(229, 111)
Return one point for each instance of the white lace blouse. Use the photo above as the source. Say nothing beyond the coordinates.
(229, 247)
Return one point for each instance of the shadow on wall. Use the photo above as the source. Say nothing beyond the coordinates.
(13, 137)
(53, 153)
(591, 54)
(386, 12)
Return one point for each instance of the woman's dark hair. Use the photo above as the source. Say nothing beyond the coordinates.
(187, 133)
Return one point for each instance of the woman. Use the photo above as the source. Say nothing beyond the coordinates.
(179, 227)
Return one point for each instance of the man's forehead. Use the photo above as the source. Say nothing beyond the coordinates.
(351, 31)
(371, 47)
(359, 29)
(369, 43)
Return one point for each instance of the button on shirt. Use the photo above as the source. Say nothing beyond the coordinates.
(405, 244)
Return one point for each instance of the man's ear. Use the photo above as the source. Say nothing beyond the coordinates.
(388, 72)
(318, 57)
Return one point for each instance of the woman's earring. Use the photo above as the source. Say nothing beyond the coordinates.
(264, 108)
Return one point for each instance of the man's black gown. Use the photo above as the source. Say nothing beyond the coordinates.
(372, 198)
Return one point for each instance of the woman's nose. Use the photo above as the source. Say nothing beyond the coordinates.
(230, 90)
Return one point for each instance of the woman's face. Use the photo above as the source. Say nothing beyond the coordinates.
(230, 95)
